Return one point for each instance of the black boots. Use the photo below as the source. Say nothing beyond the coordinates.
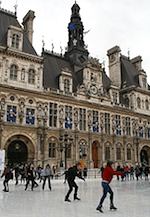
(76, 198)
(112, 207)
(99, 208)
(67, 199)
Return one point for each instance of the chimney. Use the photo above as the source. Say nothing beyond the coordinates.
(28, 24)
(137, 62)
(114, 65)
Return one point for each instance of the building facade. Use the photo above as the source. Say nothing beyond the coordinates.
(60, 108)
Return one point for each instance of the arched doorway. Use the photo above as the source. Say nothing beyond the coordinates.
(95, 154)
(145, 155)
(17, 152)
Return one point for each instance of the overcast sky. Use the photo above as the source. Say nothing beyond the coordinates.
(125, 23)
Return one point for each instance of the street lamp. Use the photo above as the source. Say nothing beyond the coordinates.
(65, 140)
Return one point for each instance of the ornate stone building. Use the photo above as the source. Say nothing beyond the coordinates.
(59, 108)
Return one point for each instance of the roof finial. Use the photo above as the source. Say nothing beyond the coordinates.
(43, 42)
(128, 53)
(52, 47)
(16, 6)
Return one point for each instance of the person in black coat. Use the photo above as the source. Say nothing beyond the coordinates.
(8, 175)
(71, 175)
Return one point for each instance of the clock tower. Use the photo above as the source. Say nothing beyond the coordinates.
(76, 51)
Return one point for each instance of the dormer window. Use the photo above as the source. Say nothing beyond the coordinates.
(13, 72)
(15, 41)
(15, 38)
(31, 76)
(65, 81)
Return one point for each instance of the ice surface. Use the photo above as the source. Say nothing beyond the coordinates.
(132, 198)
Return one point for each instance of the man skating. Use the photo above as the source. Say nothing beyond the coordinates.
(106, 179)
(71, 175)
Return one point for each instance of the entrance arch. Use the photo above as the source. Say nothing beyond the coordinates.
(145, 155)
(17, 152)
(95, 159)
(19, 149)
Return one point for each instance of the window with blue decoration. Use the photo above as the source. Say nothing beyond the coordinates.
(30, 116)
(11, 113)
(68, 117)
(118, 125)
(95, 121)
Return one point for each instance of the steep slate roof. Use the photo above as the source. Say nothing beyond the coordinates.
(106, 80)
(7, 19)
(53, 66)
(129, 74)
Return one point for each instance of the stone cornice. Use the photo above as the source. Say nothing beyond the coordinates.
(19, 54)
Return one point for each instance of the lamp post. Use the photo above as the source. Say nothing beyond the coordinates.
(65, 140)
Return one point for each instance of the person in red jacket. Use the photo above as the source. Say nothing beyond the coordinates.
(107, 176)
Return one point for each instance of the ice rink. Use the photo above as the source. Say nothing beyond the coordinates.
(132, 198)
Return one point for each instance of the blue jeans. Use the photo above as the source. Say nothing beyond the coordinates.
(106, 189)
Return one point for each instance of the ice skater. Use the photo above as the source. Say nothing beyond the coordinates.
(71, 175)
(107, 176)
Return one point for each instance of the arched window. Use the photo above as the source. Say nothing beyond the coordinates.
(13, 72)
(128, 153)
(146, 104)
(107, 152)
(15, 41)
(31, 76)
(138, 102)
(52, 148)
(118, 153)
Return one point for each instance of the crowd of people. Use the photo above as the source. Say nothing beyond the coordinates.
(28, 174)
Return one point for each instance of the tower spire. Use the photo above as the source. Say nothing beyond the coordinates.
(76, 43)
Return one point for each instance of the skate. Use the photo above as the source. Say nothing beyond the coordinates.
(77, 198)
(99, 208)
(67, 200)
(112, 207)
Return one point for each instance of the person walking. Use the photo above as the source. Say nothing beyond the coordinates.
(73, 172)
(106, 179)
(46, 176)
(8, 175)
(30, 177)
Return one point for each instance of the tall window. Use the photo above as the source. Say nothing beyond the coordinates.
(82, 119)
(118, 125)
(128, 153)
(53, 115)
(15, 41)
(107, 153)
(13, 72)
(11, 113)
(68, 117)
(68, 151)
(148, 132)
(30, 116)
(138, 102)
(31, 76)
(118, 153)
(141, 132)
(107, 123)
(146, 104)
(115, 95)
(66, 85)
(95, 121)
(82, 148)
(128, 126)
(52, 149)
